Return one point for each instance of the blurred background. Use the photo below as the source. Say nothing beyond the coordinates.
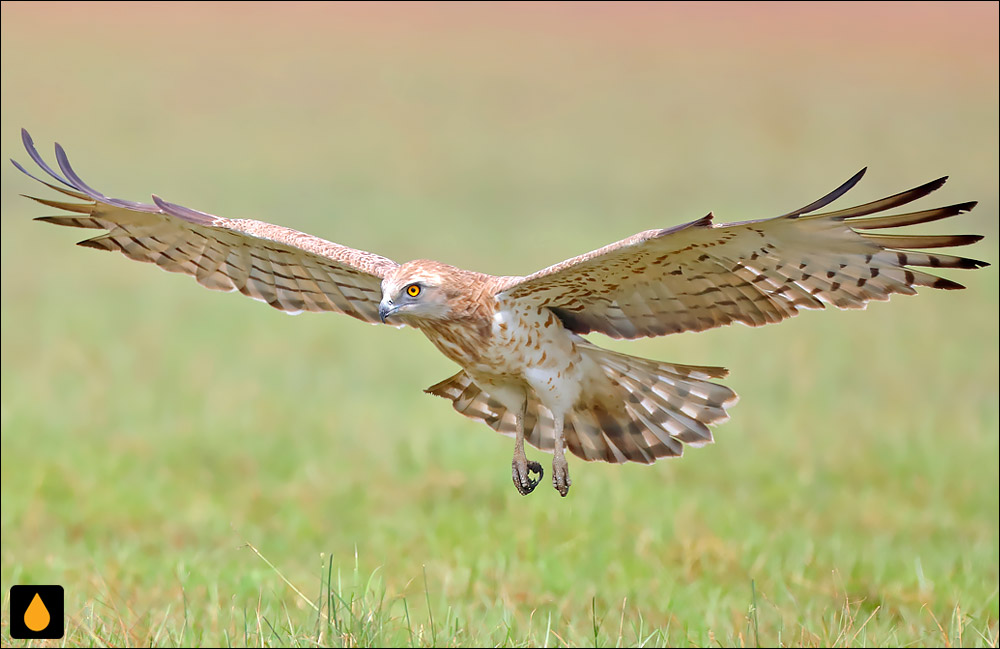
(151, 428)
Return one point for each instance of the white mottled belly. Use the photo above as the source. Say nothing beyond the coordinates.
(531, 346)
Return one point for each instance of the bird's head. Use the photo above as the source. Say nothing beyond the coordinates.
(419, 290)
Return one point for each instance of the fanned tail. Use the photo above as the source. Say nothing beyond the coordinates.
(654, 409)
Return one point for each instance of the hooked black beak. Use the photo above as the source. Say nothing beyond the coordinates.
(385, 310)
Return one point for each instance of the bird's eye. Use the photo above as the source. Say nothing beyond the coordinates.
(413, 290)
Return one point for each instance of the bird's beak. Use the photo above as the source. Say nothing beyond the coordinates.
(386, 309)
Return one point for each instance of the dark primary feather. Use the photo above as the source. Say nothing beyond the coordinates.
(829, 198)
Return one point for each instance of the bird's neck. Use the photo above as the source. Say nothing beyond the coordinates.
(463, 340)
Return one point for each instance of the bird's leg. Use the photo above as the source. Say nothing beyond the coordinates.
(520, 466)
(560, 468)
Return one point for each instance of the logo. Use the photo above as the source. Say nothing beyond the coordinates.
(36, 612)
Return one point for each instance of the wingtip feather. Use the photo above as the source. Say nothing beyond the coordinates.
(185, 213)
(97, 243)
(947, 284)
(827, 199)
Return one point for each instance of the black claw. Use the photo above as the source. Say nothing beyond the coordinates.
(525, 489)
(561, 481)
(535, 467)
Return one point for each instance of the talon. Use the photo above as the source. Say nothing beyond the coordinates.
(522, 471)
(535, 467)
(562, 486)
(560, 477)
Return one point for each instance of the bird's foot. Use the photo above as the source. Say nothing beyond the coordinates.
(521, 469)
(560, 475)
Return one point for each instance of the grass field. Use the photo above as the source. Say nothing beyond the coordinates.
(198, 469)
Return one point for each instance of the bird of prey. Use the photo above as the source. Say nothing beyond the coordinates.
(526, 369)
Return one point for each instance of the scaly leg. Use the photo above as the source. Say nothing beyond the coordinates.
(560, 468)
(520, 466)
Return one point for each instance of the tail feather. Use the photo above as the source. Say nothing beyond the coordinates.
(653, 409)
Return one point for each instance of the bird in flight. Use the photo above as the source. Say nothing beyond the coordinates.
(526, 369)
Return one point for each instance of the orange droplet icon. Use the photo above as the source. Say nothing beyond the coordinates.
(36, 617)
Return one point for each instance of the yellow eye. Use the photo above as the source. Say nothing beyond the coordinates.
(413, 290)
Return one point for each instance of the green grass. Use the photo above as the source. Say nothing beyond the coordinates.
(198, 469)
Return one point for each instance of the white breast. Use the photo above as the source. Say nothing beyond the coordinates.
(532, 344)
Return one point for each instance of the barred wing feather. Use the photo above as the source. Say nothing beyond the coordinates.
(699, 275)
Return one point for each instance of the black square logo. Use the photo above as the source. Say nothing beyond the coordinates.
(36, 612)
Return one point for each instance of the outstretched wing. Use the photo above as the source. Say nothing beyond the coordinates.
(289, 270)
(699, 275)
